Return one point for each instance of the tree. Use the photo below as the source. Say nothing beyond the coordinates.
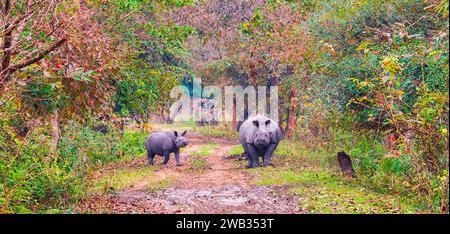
(154, 61)
(21, 46)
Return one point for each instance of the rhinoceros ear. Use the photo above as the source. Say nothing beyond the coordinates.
(267, 122)
(175, 133)
(256, 123)
(184, 133)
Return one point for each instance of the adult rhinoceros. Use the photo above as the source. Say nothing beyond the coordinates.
(259, 136)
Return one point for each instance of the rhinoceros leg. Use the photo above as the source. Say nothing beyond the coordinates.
(252, 155)
(177, 157)
(166, 157)
(250, 162)
(150, 156)
(268, 154)
(249, 159)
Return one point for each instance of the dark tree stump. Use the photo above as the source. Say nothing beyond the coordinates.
(346, 164)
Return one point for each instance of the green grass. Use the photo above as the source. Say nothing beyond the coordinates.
(126, 178)
(322, 191)
(236, 150)
(289, 148)
(122, 178)
(220, 131)
(383, 175)
(199, 164)
(293, 150)
(285, 148)
(205, 150)
(313, 174)
(287, 154)
(159, 185)
(177, 126)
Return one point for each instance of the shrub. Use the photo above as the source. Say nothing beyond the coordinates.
(34, 179)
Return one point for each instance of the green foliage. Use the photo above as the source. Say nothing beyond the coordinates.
(375, 164)
(367, 77)
(79, 141)
(386, 65)
(152, 66)
(134, 5)
(35, 179)
(132, 144)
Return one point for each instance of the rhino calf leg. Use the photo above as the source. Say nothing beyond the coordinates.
(166, 157)
(177, 157)
(150, 157)
(268, 154)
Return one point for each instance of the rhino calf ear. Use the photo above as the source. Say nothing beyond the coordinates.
(267, 122)
(256, 123)
(184, 133)
(176, 133)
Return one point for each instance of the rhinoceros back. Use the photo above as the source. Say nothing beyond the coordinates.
(159, 142)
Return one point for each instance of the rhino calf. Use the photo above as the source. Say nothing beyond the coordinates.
(259, 136)
(165, 143)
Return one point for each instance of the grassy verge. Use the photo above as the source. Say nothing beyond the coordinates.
(314, 176)
(139, 178)
(205, 150)
(321, 191)
(132, 144)
(176, 126)
(236, 150)
(220, 131)
(198, 164)
(45, 180)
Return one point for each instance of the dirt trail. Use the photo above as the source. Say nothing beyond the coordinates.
(224, 187)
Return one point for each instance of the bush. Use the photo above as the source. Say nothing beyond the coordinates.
(376, 166)
(387, 73)
(38, 180)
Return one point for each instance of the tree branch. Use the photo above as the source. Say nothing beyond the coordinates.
(40, 56)
(7, 39)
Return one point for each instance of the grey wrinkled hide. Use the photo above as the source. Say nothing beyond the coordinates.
(165, 143)
(259, 136)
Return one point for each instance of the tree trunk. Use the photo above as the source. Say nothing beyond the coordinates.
(291, 125)
(233, 121)
(6, 45)
(274, 81)
(55, 130)
(346, 165)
